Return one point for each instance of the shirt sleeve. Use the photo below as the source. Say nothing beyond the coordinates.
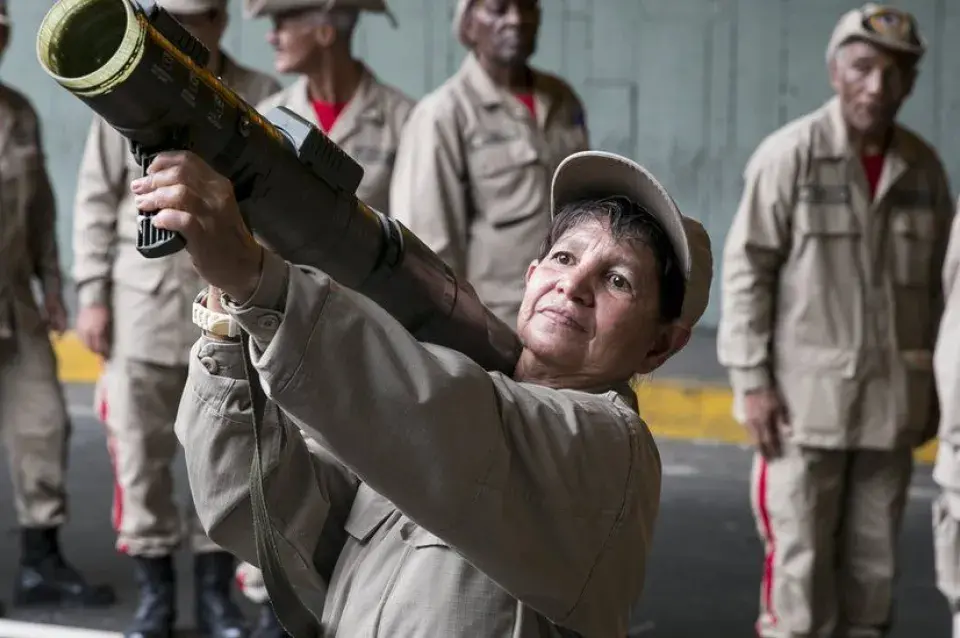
(428, 190)
(308, 492)
(43, 221)
(100, 189)
(756, 247)
(552, 493)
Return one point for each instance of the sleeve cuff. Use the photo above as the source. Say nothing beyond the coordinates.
(745, 380)
(94, 293)
(261, 314)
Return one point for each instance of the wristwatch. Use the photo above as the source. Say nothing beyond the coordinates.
(215, 323)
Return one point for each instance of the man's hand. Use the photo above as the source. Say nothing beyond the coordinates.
(55, 312)
(93, 328)
(199, 203)
(767, 420)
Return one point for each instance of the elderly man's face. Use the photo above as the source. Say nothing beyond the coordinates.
(872, 84)
(294, 38)
(591, 307)
(504, 30)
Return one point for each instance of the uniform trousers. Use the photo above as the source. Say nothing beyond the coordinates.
(138, 402)
(35, 427)
(829, 520)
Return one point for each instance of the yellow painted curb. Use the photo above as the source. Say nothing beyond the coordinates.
(677, 410)
(75, 363)
(672, 409)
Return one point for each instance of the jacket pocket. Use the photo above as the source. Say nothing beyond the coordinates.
(507, 181)
(913, 235)
(367, 515)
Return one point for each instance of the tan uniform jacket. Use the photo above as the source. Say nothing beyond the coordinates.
(473, 177)
(368, 130)
(831, 298)
(474, 505)
(151, 298)
(946, 363)
(28, 233)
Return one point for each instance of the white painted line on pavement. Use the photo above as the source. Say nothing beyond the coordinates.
(677, 469)
(13, 629)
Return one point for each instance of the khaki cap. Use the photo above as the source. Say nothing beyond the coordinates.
(257, 8)
(458, 13)
(189, 7)
(598, 173)
(884, 26)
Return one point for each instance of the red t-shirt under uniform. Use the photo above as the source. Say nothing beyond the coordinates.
(873, 167)
(327, 113)
(528, 101)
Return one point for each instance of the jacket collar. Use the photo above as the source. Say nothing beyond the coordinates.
(831, 141)
(364, 106)
(490, 96)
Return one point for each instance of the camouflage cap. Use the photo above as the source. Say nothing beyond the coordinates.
(258, 8)
(189, 7)
(884, 26)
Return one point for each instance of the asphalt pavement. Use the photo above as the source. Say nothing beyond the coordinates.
(702, 577)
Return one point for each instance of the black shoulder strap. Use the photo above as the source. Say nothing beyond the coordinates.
(296, 618)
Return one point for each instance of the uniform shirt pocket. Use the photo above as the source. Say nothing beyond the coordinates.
(912, 237)
(509, 182)
(368, 513)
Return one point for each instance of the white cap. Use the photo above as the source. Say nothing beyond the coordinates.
(191, 7)
(601, 174)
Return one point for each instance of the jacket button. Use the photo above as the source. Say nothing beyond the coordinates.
(268, 322)
(210, 364)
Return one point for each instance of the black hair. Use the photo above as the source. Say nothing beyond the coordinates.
(627, 220)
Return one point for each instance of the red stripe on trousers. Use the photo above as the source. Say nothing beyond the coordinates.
(117, 511)
(770, 543)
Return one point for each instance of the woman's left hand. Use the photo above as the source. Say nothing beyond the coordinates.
(199, 203)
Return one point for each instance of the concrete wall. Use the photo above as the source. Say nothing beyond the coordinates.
(686, 87)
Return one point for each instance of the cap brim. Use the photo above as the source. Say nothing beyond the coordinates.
(600, 174)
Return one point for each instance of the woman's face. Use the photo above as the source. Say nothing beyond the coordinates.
(591, 308)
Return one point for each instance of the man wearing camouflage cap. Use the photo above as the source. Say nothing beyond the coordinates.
(336, 91)
(831, 305)
(135, 312)
(33, 414)
(473, 172)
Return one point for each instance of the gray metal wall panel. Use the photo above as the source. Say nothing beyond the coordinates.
(688, 87)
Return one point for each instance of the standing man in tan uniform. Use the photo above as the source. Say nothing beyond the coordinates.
(473, 173)
(136, 313)
(344, 99)
(831, 302)
(946, 471)
(335, 90)
(33, 414)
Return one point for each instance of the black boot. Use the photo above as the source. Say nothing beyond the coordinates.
(267, 624)
(156, 613)
(217, 614)
(46, 579)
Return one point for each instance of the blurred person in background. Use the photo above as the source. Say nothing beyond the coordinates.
(136, 313)
(473, 172)
(831, 303)
(33, 414)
